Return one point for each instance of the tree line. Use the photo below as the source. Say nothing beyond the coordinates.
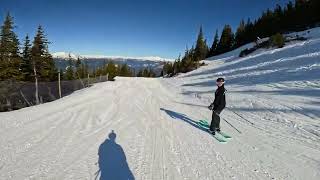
(33, 59)
(79, 69)
(297, 16)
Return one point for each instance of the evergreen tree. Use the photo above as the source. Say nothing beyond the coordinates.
(69, 71)
(99, 71)
(79, 68)
(167, 69)
(111, 70)
(226, 40)
(201, 49)
(145, 73)
(278, 17)
(26, 65)
(9, 51)
(140, 73)
(288, 20)
(187, 63)
(83, 70)
(152, 74)
(240, 38)
(177, 67)
(249, 34)
(207, 49)
(41, 57)
(94, 73)
(78, 62)
(277, 40)
(125, 71)
(214, 45)
(302, 15)
(313, 9)
(181, 65)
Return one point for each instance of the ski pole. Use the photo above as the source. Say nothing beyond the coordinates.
(232, 125)
(242, 117)
(97, 174)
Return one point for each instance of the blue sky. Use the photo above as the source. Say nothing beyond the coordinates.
(128, 27)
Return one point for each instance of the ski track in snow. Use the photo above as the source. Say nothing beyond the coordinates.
(154, 120)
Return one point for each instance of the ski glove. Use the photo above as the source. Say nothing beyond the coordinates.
(210, 107)
(217, 112)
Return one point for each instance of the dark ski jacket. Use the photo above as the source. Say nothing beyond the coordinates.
(219, 102)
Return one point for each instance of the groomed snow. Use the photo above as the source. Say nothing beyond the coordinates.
(273, 98)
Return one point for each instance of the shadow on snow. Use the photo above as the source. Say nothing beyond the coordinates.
(183, 117)
(112, 161)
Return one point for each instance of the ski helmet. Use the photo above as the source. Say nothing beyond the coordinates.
(220, 79)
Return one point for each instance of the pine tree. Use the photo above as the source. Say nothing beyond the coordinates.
(226, 40)
(167, 69)
(9, 51)
(240, 34)
(188, 63)
(79, 68)
(278, 17)
(152, 74)
(145, 73)
(125, 71)
(181, 65)
(78, 62)
(41, 57)
(207, 49)
(201, 49)
(94, 73)
(314, 7)
(277, 40)
(214, 45)
(140, 73)
(289, 17)
(111, 70)
(69, 71)
(83, 70)
(99, 71)
(249, 34)
(26, 65)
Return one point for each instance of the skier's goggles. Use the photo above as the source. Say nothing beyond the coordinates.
(219, 83)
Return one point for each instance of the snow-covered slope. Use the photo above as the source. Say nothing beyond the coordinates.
(145, 128)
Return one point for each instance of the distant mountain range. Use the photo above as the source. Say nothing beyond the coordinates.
(94, 61)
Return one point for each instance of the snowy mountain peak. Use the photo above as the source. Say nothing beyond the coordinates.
(65, 55)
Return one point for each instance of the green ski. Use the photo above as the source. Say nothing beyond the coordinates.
(218, 137)
(206, 124)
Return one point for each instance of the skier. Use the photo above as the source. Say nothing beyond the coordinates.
(217, 106)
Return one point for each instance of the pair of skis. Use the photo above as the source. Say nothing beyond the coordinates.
(222, 137)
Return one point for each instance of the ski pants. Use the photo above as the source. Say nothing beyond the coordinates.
(215, 122)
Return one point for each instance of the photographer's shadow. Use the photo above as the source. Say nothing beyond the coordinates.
(112, 161)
